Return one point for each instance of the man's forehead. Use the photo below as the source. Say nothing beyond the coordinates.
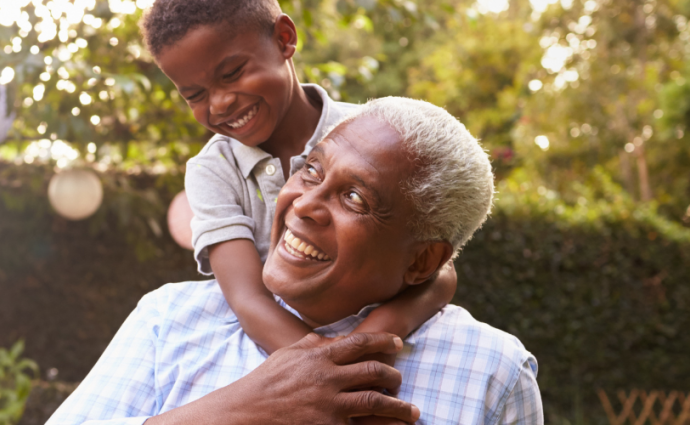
(365, 138)
(370, 152)
(369, 135)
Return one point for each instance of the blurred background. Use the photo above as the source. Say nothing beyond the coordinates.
(583, 106)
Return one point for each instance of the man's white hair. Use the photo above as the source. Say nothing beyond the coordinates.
(452, 187)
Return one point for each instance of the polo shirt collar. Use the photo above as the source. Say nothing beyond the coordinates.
(247, 157)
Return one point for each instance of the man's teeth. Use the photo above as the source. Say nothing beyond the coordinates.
(245, 119)
(299, 248)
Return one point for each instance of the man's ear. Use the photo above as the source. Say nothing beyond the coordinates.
(285, 33)
(429, 258)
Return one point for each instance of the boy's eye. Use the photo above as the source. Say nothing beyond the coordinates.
(233, 73)
(193, 97)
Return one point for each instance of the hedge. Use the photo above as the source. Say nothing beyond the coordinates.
(599, 291)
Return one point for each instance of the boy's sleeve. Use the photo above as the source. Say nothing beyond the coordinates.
(213, 189)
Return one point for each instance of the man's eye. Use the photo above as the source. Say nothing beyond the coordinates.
(311, 170)
(354, 197)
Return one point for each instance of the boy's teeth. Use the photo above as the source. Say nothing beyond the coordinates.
(242, 121)
(296, 246)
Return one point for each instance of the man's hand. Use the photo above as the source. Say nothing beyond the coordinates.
(376, 420)
(310, 382)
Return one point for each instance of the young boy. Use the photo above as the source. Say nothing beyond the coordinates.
(232, 62)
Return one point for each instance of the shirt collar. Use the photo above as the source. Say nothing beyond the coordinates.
(341, 327)
(249, 157)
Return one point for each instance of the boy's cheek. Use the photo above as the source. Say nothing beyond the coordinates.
(200, 116)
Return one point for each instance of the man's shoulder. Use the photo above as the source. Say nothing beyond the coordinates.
(457, 332)
(184, 299)
(460, 370)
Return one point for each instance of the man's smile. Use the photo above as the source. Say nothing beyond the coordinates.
(302, 249)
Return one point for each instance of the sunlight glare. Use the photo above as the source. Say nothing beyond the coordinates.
(7, 75)
(555, 57)
(542, 142)
(493, 6)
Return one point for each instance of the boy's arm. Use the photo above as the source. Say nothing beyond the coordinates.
(237, 267)
(414, 306)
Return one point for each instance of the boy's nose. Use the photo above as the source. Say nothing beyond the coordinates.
(221, 101)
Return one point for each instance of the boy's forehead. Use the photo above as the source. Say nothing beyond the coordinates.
(205, 49)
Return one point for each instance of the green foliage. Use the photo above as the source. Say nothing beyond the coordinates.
(15, 382)
(596, 289)
(595, 77)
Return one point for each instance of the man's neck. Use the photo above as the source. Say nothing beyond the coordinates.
(296, 127)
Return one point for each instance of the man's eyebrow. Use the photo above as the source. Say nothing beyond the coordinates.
(375, 193)
(318, 150)
(216, 71)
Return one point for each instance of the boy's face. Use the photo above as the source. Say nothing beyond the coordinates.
(239, 85)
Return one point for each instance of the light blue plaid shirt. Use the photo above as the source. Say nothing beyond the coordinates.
(182, 342)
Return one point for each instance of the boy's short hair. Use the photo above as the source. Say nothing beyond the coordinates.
(168, 21)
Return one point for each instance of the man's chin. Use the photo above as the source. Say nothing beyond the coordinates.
(288, 287)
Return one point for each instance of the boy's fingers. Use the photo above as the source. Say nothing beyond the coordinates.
(357, 345)
(371, 374)
(368, 403)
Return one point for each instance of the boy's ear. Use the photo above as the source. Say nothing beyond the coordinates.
(286, 34)
(428, 259)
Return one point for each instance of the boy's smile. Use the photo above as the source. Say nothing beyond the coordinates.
(238, 85)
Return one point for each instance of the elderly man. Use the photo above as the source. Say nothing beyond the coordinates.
(388, 196)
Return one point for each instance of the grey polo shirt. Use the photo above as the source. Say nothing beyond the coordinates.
(233, 188)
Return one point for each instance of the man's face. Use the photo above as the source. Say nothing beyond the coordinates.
(340, 240)
(237, 85)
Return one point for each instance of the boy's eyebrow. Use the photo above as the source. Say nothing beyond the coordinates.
(216, 71)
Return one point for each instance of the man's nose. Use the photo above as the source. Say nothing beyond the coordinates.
(312, 205)
(220, 101)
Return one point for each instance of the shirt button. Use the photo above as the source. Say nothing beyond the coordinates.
(270, 169)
